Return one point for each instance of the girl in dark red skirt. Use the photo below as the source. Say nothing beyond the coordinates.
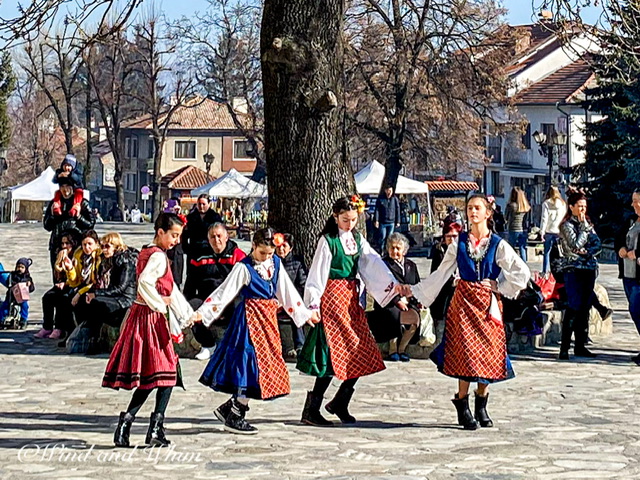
(143, 358)
(474, 347)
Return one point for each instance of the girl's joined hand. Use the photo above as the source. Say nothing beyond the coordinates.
(492, 284)
(404, 290)
(315, 318)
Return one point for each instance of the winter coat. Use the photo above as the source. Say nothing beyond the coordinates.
(579, 245)
(120, 291)
(387, 210)
(208, 271)
(60, 225)
(195, 236)
(14, 278)
(74, 276)
(553, 211)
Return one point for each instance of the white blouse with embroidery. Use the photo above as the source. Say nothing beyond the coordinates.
(513, 278)
(239, 277)
(155, 268)
(378, 279)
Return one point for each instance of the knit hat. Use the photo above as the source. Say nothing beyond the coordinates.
(27, 262)
(71, 160)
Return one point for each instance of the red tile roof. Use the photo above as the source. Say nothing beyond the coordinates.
(561, 86)
(450, 186)
(199, 114)
(186, 178)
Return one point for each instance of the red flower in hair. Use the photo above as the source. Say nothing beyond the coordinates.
(182, 218)
(278, 239)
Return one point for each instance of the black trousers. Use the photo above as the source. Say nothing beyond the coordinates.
(99, 312)
(56, 310)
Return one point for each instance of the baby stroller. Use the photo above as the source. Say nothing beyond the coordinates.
(13, 318)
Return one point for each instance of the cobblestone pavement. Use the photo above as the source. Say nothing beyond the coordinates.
(575, 420)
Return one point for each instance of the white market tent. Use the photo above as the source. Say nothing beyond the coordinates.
(369, 181)
(232, 185)
(41, 189)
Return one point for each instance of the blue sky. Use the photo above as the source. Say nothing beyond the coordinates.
(520, 11)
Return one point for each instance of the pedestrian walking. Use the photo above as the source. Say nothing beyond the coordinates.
(474, 348)
(516, 218)
(248, 362)
(579, 245)
(342, 345)
(143, 358)
(554, 209)
(387, 214)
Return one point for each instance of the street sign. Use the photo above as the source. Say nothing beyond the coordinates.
(145, 191)
(145, 196)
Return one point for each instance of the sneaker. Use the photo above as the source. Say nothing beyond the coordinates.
(394, 357)
(56, 334)
(43, 333)
(222, 412)
(404, 357)
(237, 424)
(205, 353)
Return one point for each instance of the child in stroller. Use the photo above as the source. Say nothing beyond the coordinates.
(14, 312)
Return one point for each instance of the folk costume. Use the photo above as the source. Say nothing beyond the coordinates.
(342, 345)
(143, 357)
(474, 347)
(248, 362)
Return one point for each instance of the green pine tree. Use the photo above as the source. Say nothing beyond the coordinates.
(7, 86)
(612, 167)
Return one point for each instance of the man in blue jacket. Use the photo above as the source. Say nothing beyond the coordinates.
(387, 215)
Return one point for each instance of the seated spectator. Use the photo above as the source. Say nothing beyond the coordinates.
(399, 320)
(56, 302)
(114, 291)
(297, 271)
(19, 275)
(207, 273)
(440, 306)
(84, 271)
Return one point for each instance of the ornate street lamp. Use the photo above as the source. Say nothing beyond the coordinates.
(208, 158)
(550, 145)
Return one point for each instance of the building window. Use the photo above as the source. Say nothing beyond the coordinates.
(497, 186)
(526, 138)
(494, 148)
(151, 148)
(548, 129)
(130, 182)
(131, 147)
(241, 149)
(185, 149)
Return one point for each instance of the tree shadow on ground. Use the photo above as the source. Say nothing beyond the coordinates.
(609, 356)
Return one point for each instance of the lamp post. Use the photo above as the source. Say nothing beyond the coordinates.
(208, 158)
(550, 145)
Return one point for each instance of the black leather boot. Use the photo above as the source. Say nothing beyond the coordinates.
(311, 413)
(121, 435)
(235, 422)
(465, 417)
(480, 407)
(581, 336)
(155, 434)
(340, 404)
(222, 412)
(567, 330)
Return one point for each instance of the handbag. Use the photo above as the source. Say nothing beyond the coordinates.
(427, 330)
(78, 341)
(547, 287)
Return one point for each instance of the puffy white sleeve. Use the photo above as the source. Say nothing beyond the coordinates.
(515, 273)
(427, 290)
(318, 275)
(375, 274)
(180, 308)
(154, 269)
(215, 303)
(290, 299)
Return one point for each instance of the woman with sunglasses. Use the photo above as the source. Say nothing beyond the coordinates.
(113, 292)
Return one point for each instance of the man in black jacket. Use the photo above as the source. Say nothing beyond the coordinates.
(387, 215)
(297, 271)
(195, 242)
(207, 272)
(65, 222)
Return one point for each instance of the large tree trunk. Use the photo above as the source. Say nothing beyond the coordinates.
(302, 67)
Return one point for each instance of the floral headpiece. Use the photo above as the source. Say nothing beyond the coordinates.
(358, 203)
(278, 239)
(182, 218)
(491, 199)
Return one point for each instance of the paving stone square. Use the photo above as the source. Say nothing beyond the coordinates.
(569, 420)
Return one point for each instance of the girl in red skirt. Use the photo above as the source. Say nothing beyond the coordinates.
(143, 357)
(474, 347)
(342, 345)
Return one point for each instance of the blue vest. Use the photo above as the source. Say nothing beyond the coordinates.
(259, 287)
(468, 269)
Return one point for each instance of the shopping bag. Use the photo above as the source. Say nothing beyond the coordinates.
(547, 287)
(20, 292)
(427, 330)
